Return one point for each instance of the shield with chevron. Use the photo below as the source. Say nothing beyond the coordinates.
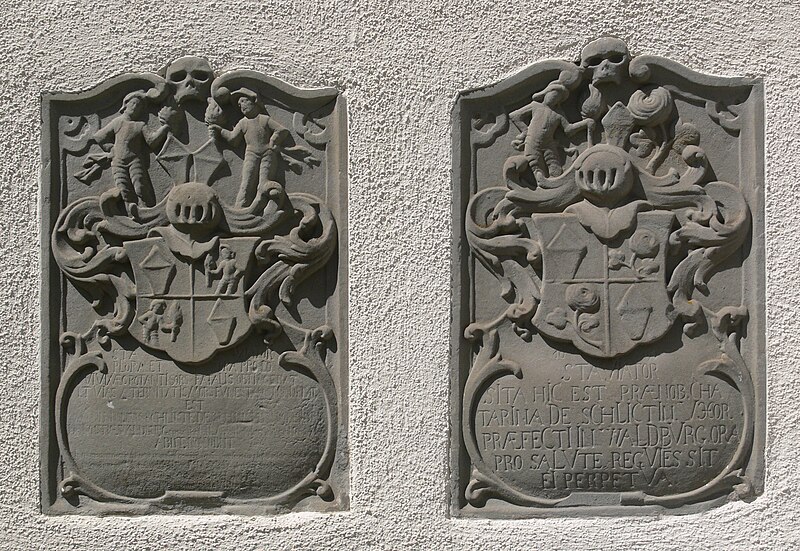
(606, 296)
(190, 302)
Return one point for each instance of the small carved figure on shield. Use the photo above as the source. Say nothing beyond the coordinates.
(172, 321)
(226, 267)
(151, 320)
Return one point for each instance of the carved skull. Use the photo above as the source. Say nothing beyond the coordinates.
(190, 78)
(607, 58)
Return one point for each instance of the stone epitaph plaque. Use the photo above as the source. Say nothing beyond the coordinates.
(608, 328)
(194, 301)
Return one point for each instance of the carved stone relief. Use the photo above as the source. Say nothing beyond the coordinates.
(608, 329)
(194, 319)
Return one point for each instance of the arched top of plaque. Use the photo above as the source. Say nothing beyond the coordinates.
(193, 259)
(610, 206)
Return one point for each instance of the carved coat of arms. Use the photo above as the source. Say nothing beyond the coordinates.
(604, 300)
(623, 215)
(186, 209)
(188, 306)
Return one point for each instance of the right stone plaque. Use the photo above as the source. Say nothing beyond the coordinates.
(608, 327)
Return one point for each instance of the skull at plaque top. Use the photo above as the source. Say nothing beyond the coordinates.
(219, 298)
(609, 218)
(607, 59)
(190, 78)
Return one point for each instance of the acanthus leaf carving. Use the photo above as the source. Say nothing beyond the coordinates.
(608, 224)
(172, 255)
(607, 184)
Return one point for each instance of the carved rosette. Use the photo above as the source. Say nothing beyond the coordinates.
(191, 214)
(604, 238)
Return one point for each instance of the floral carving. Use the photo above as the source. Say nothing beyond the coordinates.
(644, 243)
(606, 226)
(609, 185)
(651, 109)
(183, 263)
(644, 248)
(583, 298)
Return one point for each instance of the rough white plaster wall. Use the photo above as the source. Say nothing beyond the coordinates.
(400, 64)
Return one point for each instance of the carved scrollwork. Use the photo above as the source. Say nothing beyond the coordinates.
(489, 364)
(173, 257)
(606, 186)
(611, 223)
(310, 130)
(309, 360)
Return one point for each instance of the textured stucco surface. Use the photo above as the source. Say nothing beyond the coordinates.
(400, 64)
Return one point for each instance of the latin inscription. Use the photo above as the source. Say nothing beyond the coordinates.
(160, 415)
(602, 430)
(608, 288)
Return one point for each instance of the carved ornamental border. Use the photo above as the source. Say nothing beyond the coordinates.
(258, 249)
(589, 151)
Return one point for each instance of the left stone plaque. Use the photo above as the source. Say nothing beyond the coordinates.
(194, 346)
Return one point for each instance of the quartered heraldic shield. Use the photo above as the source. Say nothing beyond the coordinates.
(194, 308)
(608, 270)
